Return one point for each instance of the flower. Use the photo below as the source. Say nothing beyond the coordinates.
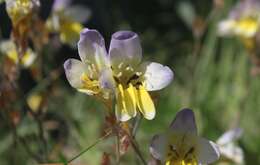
(89, 74)
(9, 49)
(134, 79)
(119, 72)
(66, 20)
(228, 148)
(34, 101)
(181, 145)
(24, 16)
(18, 10)
(243, 20)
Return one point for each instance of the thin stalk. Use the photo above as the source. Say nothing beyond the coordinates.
(137, 150)
(42, 139)
(29, 151)
(135, 147)
(91, 146)
(136, 125)
(118, 156)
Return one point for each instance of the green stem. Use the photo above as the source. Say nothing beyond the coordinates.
(117, 149)
(91, 146)
(136, 125)
(137, 150)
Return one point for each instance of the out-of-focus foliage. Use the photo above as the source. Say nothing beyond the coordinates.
(212, 76)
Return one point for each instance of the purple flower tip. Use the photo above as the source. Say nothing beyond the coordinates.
(67, 65)
(124, 35)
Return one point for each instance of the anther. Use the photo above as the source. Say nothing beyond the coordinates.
(120, 65)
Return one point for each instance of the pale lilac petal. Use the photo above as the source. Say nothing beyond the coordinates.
(184, 123)
(245, 8)
(230, 136)
(106, 79)
(207, 151)
(91, 47)
(73, 70)
(125, 48)
(232, 152)
(158, 147)
(157, 76)
(60, 4)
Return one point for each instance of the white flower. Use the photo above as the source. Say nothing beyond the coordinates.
(181, 145)
(229, 150)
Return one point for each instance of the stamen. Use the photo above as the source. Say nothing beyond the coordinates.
(119, 74)
(120, 65)
(129, 68)
(138, 73)
(89, 68)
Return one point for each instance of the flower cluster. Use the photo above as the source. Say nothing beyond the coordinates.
(27, 26)
(9, 48)
(119, 72)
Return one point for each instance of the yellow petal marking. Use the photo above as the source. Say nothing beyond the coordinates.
(69, 31)
(121, 111)
(12, 54)
(182, 162)
(130, 100)
(89, 86)
(247, 27)
(26, 60)
(145, 103)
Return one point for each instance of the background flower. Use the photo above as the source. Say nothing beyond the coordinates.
(181, 144)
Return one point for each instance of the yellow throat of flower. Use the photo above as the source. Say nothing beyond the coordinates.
(182, 162)
(179, 156)
(247, 27)
(89, 86)
(69, 31)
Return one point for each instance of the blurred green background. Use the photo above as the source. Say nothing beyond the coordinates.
(212, 77)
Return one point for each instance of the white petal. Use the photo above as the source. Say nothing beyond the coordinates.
(157, 76)
(158, 147)
(73, 70)
(230, 136)
(121, 114)
(232, 152)
(226, 27)
(207, 151)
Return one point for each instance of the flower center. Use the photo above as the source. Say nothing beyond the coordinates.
(247, 26)
(89, 84)
(174, 157)
(126, 74)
